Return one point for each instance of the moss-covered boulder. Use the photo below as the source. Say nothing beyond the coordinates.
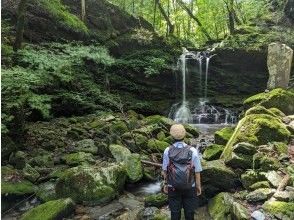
(118, 127)
(30, 173)
(136, 142)
(46, 191)
(18, 159)
(213, 172)
(258, 185)
(213, 152)
(7, 147)
(56, 209)
(42, 158)
(191, 130)
(222, 136)
(78, 158)
(260, 194)
(256, 129)
(13, 183)
(157, 200)
(277, 98)
(251, 177)
(282, 210)
(219, 207)
(93, 184)
(157, 146)
(134, 167)
(262, 110)
(241, 156)
(265, 163)
(158, 119)
(119, 152)
(132, 162)
(239, 211)
(87, 146)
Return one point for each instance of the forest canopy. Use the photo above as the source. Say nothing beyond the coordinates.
(202, 20)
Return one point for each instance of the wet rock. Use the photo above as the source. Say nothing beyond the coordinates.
(260, 194)
(87, 146)
(78, 158)
(258, 215)
(274, 178)
(222, 136)
(277, 98)
(156, 200)
(283, 210)
(213, 152)
(279, 63)
(30, 173)
(56, 209)
(46, 191)
(93, 184)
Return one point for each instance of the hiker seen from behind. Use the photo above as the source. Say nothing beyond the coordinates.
(181, 173)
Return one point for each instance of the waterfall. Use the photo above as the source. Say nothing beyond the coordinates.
(200, 112)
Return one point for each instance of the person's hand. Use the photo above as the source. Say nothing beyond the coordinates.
(198, 190)
(165, 189)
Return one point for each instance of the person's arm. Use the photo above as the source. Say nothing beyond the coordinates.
(165, 162)
(198, 183)
(198, 169)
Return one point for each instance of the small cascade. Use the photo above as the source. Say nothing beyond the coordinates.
(203, 113)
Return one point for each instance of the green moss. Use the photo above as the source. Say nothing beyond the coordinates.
(17, 188)
(265, 163)
(134, 167)
(213, 152)
(277, 98)
(250, 177)
(219, 207)
(277, 112)
(157, 145)
(261, 184)
(57, 209)
(260, 194)
(256, 129)
(160, 136)
(119, 152)
(280, 208)
(158, 119)
(259, 110)
(91, 184)
(61, 13)
(157, 200)
(192, 130)
(118, 128)
(78, 158)
(222, 136)
(280, 147)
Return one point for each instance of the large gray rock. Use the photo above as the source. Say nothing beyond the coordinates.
(279, 62)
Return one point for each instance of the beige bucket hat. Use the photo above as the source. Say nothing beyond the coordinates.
(177, 131)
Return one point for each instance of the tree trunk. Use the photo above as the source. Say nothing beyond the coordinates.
(166, 17)
(21, 11)
(190, 13)
(83, 10)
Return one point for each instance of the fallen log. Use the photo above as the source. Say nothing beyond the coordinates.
(151, 163)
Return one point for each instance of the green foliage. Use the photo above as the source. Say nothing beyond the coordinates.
(52, 78)
(62, 14)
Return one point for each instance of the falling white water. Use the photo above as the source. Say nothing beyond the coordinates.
(183, 68)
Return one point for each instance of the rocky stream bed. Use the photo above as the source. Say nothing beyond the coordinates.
(90, 167)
